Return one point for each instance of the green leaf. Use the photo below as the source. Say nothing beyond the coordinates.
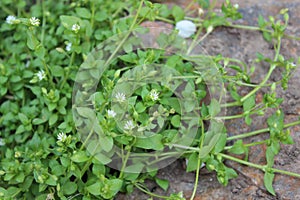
(204, 110)
(164, 184)
(178, 13)
(79, 156)
(135, 168)
(85, 112)
(98, 169)
(23, 118)
(83, 12)
(69, 188)
(268, 181)
(13, 192)
(214, 107)
(69, 21)
(237, 148)
(139, 107)
(106, 143)
(173, 102)
(53, 119)
(32, 42)
(221, 143)
(95, 188)
(192, 163)
(101, 15)
(270, 157)
(114, 187)
(249, 103)
(175, 121)
(204, 151)
(248, 119)
(152, 142)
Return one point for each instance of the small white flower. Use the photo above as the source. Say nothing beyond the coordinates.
(186, 28)
(210, 29)
(2, 142)
(236, 6)
(11, 19)
(154, 95)
(129, 125)
(69, 46)
(75, 28)
(41, 75)
(111, 113)
(61, 137)
(120, 97)
(34, 21)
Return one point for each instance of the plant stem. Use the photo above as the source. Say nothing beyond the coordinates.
(272, 67)
(250, 144)
(164, 20)
(196, 42)
(244, 135)
(43, 23)
(254, 28)
(124, 163)
(126, 36)
(261, 167)
(150, 193)
(199, 162)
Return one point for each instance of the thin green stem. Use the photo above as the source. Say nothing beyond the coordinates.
(272, 67)
(164, 20)
(254, 28)
(126, 36)
(43, 23)
(195, 41)
(68, 72)
(250, 144)
(93, 14)
(48, 73)
(124, 163)
(199, 162)
(149, 193)
(252, 133)
(261, 167)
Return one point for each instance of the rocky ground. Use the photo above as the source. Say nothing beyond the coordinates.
(243, 45)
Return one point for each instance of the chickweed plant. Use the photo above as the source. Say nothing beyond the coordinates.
(93, 102)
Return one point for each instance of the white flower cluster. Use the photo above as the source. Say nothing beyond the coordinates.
(75, 28)
(61, 137)
(111, 113)
(154, 95)
(11, 19)
(185, 28)
(129, 125)
(41, 75)
(69, 46)
(34, 21)
(120, 97)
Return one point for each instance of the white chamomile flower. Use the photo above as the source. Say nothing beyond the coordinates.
(69, 46)
(34, 21)
(186, 28)
(61, 137)
(11, 19)
(129, 125)
(41, 75)
(236, 6)
(120, 97)
(75, 28)
(154, 95)
(111, 113)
